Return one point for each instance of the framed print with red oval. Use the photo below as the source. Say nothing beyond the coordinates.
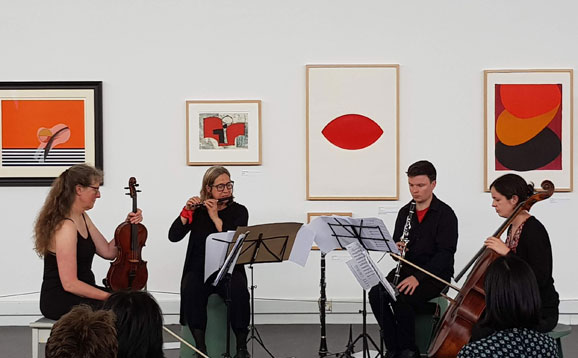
(528, 125)
(352, 132)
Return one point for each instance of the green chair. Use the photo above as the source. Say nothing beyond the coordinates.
(557, 333)
(216, 333)
(426, 320)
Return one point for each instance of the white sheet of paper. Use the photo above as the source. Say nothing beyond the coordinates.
(233, 260)
(302, 246)
(365, 269)
(329, 234)
(216, 251)
(388, 287)
(362, 270)
(363, 280)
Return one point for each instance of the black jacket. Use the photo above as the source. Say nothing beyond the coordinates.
(432, 243)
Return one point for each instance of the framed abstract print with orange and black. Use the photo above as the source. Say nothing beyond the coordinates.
(528, 130)
(46, 127)
(352, 132)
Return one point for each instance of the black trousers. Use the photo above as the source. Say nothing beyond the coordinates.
(195, 295)
(397, 318)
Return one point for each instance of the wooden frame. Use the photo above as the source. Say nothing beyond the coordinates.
(224, 132)
(528, 121)
(46, 127)
(311, 216)
(352, 120)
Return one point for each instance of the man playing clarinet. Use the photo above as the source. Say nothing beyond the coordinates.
(431, 234)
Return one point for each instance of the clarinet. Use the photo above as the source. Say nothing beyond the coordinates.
(405, 240)
(322, 301)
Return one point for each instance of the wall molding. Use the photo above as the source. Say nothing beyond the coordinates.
(16, 312)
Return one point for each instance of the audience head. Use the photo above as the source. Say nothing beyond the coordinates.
(139, 324)
(60, 199)
(512, 295)
(83, 333)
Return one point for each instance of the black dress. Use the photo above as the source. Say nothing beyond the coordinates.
(534, 247)
(54, 300)
(194, 291)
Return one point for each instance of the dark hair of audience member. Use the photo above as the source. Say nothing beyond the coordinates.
(139, 324)
(84, 333)
(512, 295)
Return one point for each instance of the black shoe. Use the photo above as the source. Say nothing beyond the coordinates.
(408, 353)
(242, 353)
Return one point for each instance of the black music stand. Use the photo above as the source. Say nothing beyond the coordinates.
(264, 243)
(367, 236)
(224, 276)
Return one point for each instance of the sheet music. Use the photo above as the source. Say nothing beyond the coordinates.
(365, 270)
(217, 244)
(302, 246)
(333, 232)
(216, 251)
(231, 260)
(360, 267)
(388, 287)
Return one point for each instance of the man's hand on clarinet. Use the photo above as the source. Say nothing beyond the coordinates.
(401, 246)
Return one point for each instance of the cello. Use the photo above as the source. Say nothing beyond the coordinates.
(129, 271)
(455, 328)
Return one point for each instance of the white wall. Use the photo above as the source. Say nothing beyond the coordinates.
(154, 55)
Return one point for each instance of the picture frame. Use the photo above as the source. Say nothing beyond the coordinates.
(226, 132)
(46, 127)
(313, 215)
(352, 121)
(528, 126)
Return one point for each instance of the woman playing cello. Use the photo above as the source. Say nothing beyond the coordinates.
(528, 239)
(68, 239)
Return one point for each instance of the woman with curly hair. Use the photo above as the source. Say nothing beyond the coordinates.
(67, 239)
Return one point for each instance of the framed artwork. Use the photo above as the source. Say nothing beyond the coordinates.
(352, 132)
(46, 127)
(528, 125)
(311, 216)
(224, 132)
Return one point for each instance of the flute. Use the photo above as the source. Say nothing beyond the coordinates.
(226, 200)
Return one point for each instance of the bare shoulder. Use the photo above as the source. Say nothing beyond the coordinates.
(66, 229)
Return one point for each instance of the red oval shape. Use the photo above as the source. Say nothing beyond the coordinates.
(352, 131)
(530, 100)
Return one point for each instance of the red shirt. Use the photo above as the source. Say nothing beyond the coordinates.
(421, 214)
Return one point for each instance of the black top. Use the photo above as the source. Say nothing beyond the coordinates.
(534, 248)
(54, 300)
(202, 226)
(432, 243)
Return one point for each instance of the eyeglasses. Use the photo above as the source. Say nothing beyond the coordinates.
(221, 187)
(96, 188)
